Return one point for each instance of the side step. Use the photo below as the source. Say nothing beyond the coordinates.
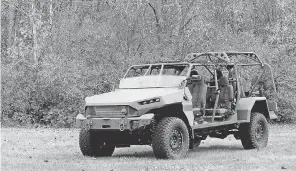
(217, 116)
(210, 111)
(218, 111)
(122, 145)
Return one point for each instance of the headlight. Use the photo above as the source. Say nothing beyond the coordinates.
(149, 101)
(124, 111)
(90, 111)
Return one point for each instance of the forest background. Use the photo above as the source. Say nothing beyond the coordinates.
(54, 53)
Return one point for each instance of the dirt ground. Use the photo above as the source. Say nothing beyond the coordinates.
(57, 149)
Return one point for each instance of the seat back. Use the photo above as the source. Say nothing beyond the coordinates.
(198, 90)
(243, 85)
(211, 96)
(226, 93)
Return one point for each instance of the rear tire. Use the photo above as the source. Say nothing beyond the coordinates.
(170, 139)
(91, 145)
(254, 134)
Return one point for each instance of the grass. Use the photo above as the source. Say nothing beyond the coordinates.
(57, 149)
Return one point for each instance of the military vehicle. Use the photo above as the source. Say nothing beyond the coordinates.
(174, 105)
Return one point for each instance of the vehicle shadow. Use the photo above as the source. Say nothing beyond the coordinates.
(137, 154)
(217, 148)
(147, 153)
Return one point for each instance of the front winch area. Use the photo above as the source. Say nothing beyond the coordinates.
(139, 136)
(120, 124)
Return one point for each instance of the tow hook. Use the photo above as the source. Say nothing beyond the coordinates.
(121, 124)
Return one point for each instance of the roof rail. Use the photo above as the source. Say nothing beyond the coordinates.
(249, 55)
(224, 56)
(169, 61)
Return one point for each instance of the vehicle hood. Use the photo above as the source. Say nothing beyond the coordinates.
(127, 96)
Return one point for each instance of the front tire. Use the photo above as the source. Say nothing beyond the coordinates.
(170, 139)
(91, 145)
(254, 134)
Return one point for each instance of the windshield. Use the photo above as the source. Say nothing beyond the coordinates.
(152, 81)
(157, 69)
(155, 76)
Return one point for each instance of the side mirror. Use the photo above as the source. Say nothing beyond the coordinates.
(182, 84)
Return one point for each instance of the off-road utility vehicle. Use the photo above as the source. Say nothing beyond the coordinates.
(172, 106)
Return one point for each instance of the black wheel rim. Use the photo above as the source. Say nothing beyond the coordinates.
(101, 145)
(176, 140)
(98, 144)
(260, 132)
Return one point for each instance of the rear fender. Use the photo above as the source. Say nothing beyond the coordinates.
(246, 106)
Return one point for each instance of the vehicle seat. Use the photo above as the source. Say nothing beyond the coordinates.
(226, 93)
(198, 90)
(243, 85)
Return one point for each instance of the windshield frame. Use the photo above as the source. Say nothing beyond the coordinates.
(161, 69)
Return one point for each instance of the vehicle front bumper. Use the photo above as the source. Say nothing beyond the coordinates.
(121, 124)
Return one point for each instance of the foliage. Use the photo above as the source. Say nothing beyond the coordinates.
(55, 53)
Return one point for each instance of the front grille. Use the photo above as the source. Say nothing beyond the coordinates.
(109, 111)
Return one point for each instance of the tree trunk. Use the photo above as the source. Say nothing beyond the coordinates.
(185, 8)
(50, 13)
(11, 23)
(157, 22)
(35, 45)
(51, 25)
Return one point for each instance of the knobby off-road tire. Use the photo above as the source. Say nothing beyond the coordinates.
(170, 139)
(254, 134)
(91, 145)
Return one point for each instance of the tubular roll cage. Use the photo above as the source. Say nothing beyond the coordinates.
(224, 58)
(227, 58)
